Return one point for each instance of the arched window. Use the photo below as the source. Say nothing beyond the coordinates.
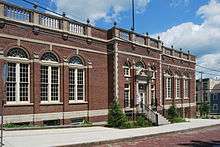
(76, 80)
(17, 52)
(76, 61)
(18, 81)
(139, 65)
(48, 56)
(50, 78)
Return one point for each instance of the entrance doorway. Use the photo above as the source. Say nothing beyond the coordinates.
(141, 92)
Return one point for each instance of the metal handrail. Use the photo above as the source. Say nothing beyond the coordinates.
(149, 113)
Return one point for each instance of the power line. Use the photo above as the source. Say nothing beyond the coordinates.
(208, 68)
(206, 73)
(35, 5)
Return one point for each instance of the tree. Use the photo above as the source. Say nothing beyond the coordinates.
(116, 117)
(172, 112)
(204, 109)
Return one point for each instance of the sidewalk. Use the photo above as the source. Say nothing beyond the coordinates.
(68, 136)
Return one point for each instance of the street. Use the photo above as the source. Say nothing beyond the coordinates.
(208, 137)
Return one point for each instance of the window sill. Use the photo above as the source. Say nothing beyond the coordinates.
(19, 104)
(178, 98)
(128, 109)
(168, 99)
(75, 103)
(186, 98)
(127, 76)
(51, 103)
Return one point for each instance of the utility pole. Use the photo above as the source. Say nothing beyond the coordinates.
(133, 19)
(201, 90)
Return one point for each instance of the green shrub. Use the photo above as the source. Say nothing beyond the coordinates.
(128, 125)
(141, 121)
(177, 120)
(172, 112)
(116, 117)
(204, 109)
(86, 123)
(18, 125)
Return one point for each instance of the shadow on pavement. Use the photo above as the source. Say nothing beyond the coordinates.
(195, 143)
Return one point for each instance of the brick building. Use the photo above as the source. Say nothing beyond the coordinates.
(62, 70)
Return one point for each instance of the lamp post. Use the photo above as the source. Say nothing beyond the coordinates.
(4, 78)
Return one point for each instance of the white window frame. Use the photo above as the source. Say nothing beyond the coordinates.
(51, 64)
(18, 61)
(129, 71)
(178, 97)
(215, 107)
(167, 88)
(184, 88)
(214, 97)
(129, 95)
(76, 67)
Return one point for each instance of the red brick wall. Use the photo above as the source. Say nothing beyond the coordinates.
(99, 77)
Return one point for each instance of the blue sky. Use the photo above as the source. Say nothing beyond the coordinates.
(157, 16)
(189, 24)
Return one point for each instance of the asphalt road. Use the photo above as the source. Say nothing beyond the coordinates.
(207, 137)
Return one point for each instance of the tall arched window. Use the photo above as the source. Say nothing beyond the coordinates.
(50, 80)
(18, 81)
(76, 80)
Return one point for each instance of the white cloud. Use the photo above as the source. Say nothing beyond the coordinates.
(97, 9)
(203, 39)
(197, 37)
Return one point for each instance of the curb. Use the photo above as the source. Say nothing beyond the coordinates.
(48, 127)
(134, 138)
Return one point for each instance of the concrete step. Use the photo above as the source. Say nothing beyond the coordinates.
(162, 120)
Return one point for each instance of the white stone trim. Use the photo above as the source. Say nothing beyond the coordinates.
(179, 58)
(178, 66)
(180, 105)
(138, 55)
(50, 43)
(116, 87)
(52, 116)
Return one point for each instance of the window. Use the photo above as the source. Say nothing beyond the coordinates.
(127, 96)
(49, 78)
(215, 107)
(17, 84)
(186, 88)
(127, 70)
(169, 87)
(177, 88)
(76, 80)
(153, 94)
(214, 96)
(139, 65)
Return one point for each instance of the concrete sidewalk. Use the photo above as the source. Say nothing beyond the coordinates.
(69, 136)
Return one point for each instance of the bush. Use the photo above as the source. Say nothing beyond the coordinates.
(86, 123)
(116, 117)
(173, 115)
(177, 120)
(204, 109)
(141, 121)
(172, 112)
(128, 125)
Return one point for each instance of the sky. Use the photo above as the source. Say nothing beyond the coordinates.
(192, 25)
